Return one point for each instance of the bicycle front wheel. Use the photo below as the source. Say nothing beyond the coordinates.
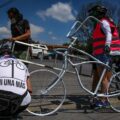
(44, 101)
(114, 92)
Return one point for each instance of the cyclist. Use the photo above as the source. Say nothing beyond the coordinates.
(20, 30)
(105, 40)
(15, 86)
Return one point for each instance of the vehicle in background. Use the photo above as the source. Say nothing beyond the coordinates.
(50, 55)
(39, 52)
(58, 53)
(55, 53)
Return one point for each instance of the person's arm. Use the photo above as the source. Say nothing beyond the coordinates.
(107, 30)
(29, 86)
(23, 37)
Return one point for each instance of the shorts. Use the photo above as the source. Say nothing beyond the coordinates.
(13, 104)
(103, 58)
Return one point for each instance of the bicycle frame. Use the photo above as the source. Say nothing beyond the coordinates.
(95, 93)
(85, 53)
(67, 60)
(65, 67)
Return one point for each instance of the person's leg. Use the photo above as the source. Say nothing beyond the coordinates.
(20, 110)
(105, 81)
(25, 103)
(95, 78)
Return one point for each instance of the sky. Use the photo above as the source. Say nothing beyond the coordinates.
(50, 20)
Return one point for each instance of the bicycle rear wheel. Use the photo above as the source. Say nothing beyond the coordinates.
(45, 102)
(114, 92)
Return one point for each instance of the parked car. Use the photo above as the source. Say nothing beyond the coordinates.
(58, 52)
(50, 55)
(38, 52)
(54, 54)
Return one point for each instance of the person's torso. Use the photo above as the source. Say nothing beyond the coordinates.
(18, 29)
(13, 76)
(99, 38)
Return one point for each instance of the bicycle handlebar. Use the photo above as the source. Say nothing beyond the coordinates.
(72, 36)
(81, 24)
(23, 43)
(31, 45)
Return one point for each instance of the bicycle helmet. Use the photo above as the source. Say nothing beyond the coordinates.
(97, 10)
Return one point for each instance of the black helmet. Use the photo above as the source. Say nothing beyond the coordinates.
(13, 10)
(97, 10)
(5, 50)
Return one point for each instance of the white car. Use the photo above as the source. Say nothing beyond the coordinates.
(39, 50)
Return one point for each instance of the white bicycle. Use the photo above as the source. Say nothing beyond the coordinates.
(51, 92)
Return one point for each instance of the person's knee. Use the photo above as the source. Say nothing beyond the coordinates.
(21, 109)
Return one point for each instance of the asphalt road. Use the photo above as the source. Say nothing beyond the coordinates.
(76, 106)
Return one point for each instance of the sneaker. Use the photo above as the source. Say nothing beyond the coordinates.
(101, 104)
(106, 104)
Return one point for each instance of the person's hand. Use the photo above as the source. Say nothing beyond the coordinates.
(12, 39)
(107, 49)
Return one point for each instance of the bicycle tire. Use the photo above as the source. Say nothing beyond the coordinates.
(47, 103)
(114, 92)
